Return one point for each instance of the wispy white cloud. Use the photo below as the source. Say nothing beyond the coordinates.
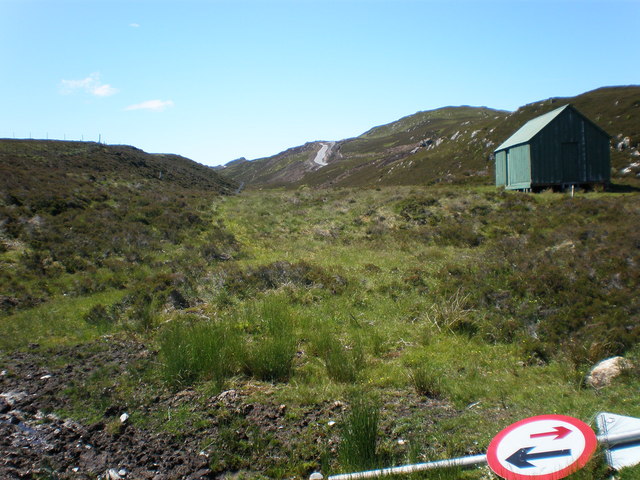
(90, 84)
(134, 25)
(103, 90)
(152, 105)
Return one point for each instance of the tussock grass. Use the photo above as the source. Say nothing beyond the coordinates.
(427, 380)
(201, 350)
(451, 314)
(269, 354)
(359, 436)
(258, 341)
(343, 362)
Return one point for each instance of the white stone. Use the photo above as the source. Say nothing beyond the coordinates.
(12, 397)
(124, 417)
(604, 372)
(227, 395)
(113, 475)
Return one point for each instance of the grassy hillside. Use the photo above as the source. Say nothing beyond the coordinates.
(452, 144)
(424, 147)
(78, 218)
(281, 169)
(372, 157)
(289, 331)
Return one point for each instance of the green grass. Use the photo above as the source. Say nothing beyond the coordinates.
(198, 351)
(359, 435)
(459, 310)
(58, 322)
(269, 353)
(409, 319)
(259, 341)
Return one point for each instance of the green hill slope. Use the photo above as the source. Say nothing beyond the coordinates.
(36, 160)
(451, 144)
(68, 209)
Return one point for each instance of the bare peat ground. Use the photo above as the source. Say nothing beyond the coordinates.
(35, 443)
(226, 435)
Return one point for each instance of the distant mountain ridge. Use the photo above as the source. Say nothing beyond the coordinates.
(449, 144)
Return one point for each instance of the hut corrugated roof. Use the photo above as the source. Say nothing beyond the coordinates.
(530, 129)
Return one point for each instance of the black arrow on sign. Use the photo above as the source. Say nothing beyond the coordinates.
(522, 457)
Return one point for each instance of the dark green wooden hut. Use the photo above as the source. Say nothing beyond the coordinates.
(558, 149)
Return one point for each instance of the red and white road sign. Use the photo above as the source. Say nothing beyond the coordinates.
(546, 447)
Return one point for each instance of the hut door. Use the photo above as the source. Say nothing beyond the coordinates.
(507, 170)
(570, 171)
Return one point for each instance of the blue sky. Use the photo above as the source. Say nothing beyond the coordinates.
(217, 80)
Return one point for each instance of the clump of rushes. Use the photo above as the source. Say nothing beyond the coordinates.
(268, 354)
(343, 362)
(426, 380)
(451, 314)
(359, 436)
(204, 350)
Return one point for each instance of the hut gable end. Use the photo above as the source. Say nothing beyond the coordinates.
(557, 149)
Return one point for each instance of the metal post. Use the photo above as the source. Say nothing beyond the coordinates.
(418, 467)
(606, 440)
(625, 440)
(617, 438)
